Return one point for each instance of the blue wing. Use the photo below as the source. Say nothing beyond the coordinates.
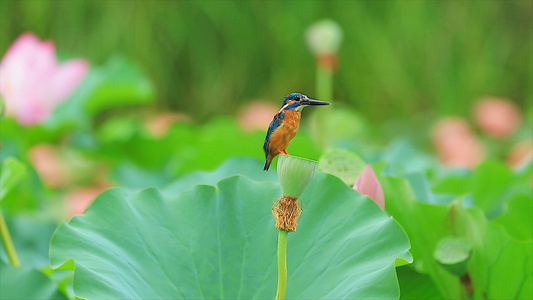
(276, 122)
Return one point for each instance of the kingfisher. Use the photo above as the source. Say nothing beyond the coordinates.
(285, 125)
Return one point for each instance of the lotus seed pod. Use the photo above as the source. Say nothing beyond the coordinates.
(294, 174)
(324, 37)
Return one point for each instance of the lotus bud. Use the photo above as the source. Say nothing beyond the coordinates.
(324, 39)
(368, 184)
(294, 174)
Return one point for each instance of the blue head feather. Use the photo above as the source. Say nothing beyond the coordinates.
(294, 97)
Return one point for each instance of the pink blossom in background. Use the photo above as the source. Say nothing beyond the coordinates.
(50, 165)
(33, 83)
(456, 143)
(159, 125)
(257, 115)
(368, 184)
(497, 117)
(78, 199)
(520, 154)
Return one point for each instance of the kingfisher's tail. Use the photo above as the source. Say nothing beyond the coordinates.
(267, 163)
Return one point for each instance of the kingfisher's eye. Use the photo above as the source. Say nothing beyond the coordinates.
(297, 98)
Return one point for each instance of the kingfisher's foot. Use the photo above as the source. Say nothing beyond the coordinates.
(283, 152)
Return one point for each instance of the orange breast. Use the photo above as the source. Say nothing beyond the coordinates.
(282, 136)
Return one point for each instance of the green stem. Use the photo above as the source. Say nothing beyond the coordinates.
(8, 243)
(324, 92)
(324, 84)
(282, 264)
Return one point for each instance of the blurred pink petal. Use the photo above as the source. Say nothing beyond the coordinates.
(497, 117)
(257, 115)
(159, 124)
(31, 111)
(456, 144)
(520, 154)
(66, 79)
(32, 81)
(368, 184)
(48, 163)
(78, 199)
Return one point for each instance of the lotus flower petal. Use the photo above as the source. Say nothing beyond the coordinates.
(66, 79)
(368, 184)
(32, 81)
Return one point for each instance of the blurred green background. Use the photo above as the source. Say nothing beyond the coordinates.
(404, 66)
(206, 58)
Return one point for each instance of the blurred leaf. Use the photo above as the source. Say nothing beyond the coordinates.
(457, 183)
(212, 242)
(31, 238)
(132, 178)
(247, 166)
(453, 253)
(70, 113)
(404, 158)
(64, 281)
(342, 163)
(17, 139)
(119, 129)
(187, 148)
(517, 218)
(28, 195)
(118, 83)
(341, 125)
(423, 192)
(502, 267)
(121, 83)
(13, 171)
(26, 283)
(492, 182)
(416, 286)
(425, 224)
(492, 249)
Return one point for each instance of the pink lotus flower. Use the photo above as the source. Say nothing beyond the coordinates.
(368, 184)
(256, 115)
(497, 117)
(456, 143)
(33, 82)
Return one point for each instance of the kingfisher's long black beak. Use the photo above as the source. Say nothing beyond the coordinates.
(313, 102)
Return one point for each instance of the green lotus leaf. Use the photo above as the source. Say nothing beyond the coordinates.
(220, 242)
(502, 267)
(121, 82)
(343, 164)
(492, 182)
(456, 182)
(422, 190)
(517, 218)
(186, 148)
(499, 266)
(31, 238)
(453, 253)
(13, 171)
(416, 286)
(423, 223)
(404, 158)
(26, 283)
(250, 167)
